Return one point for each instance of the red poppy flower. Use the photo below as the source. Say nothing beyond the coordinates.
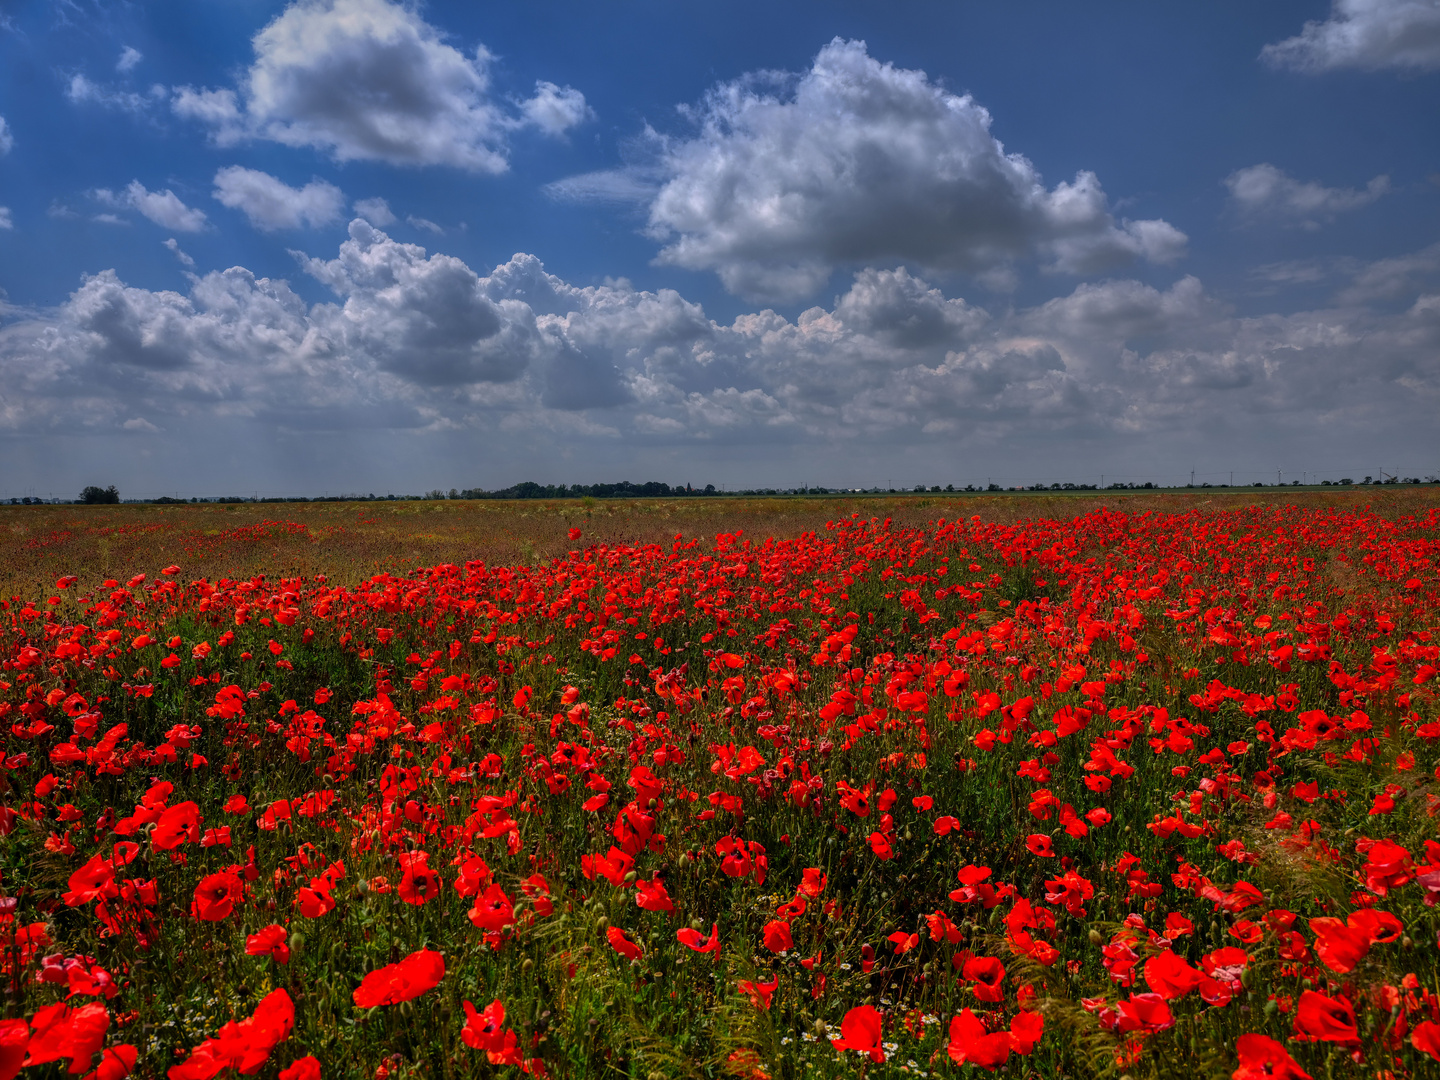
(1325, 1019)
(759, 993)
(1388, 867)
(1227, 963)
(652, 896)
(14, 1037)
(777, 936)
(538, 890)
(305, 1068)
(621, 943)
(1070, 891)
(63, 1032)
(612, 866)
(1339, 947)
(269, 942)
(116, 1063)
(1170, 976)
(860, 1031)
(734, 856)
(493, 910)
(419, 883)
(1381, 926)
(313, 903)
(1177, 925)
(1426, 1038)
(215, 896)
(95, 878)
(971, 1044)
(486, 1031)
(942, 928)
(988, 975)
(473, 874)
(244, 1045)
(179, 824)
(1025, 1030)
(1143, 1012)
(1262, 1058)
(812, 882)
(417, 974)
(691, 939)
(903, 942)
(1040, 844)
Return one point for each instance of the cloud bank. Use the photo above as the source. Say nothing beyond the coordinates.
(419, 343)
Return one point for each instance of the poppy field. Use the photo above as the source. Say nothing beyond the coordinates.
(1127, 793)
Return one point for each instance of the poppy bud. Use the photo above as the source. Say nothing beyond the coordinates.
(407, 1009)
(650, 805)
(1096, 938)
(685, 861)
(296, 943)
(527, 966)
(696, 925)
(600, 924)
(630, 877)
(363, 887)
(1407, 942)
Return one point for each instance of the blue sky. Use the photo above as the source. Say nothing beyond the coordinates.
(362, 246)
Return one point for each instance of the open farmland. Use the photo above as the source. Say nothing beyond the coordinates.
(1073, 787)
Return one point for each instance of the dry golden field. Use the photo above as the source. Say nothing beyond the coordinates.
(349, 541)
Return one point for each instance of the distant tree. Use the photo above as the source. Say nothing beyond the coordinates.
(93, 495)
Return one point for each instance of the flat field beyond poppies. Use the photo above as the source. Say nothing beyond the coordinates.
(1138, 786)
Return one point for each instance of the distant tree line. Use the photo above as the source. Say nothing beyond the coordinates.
(651, 489)
(654, 489)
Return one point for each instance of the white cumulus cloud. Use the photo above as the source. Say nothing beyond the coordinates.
(271, 204)
(371, 80)
(7, 138)
(164, 208)
(1265, 191)
(855, 161)
(217, 109)
(129, 58)
(555, 109)
(376, 211)
(1365, 34)
(6, 221)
